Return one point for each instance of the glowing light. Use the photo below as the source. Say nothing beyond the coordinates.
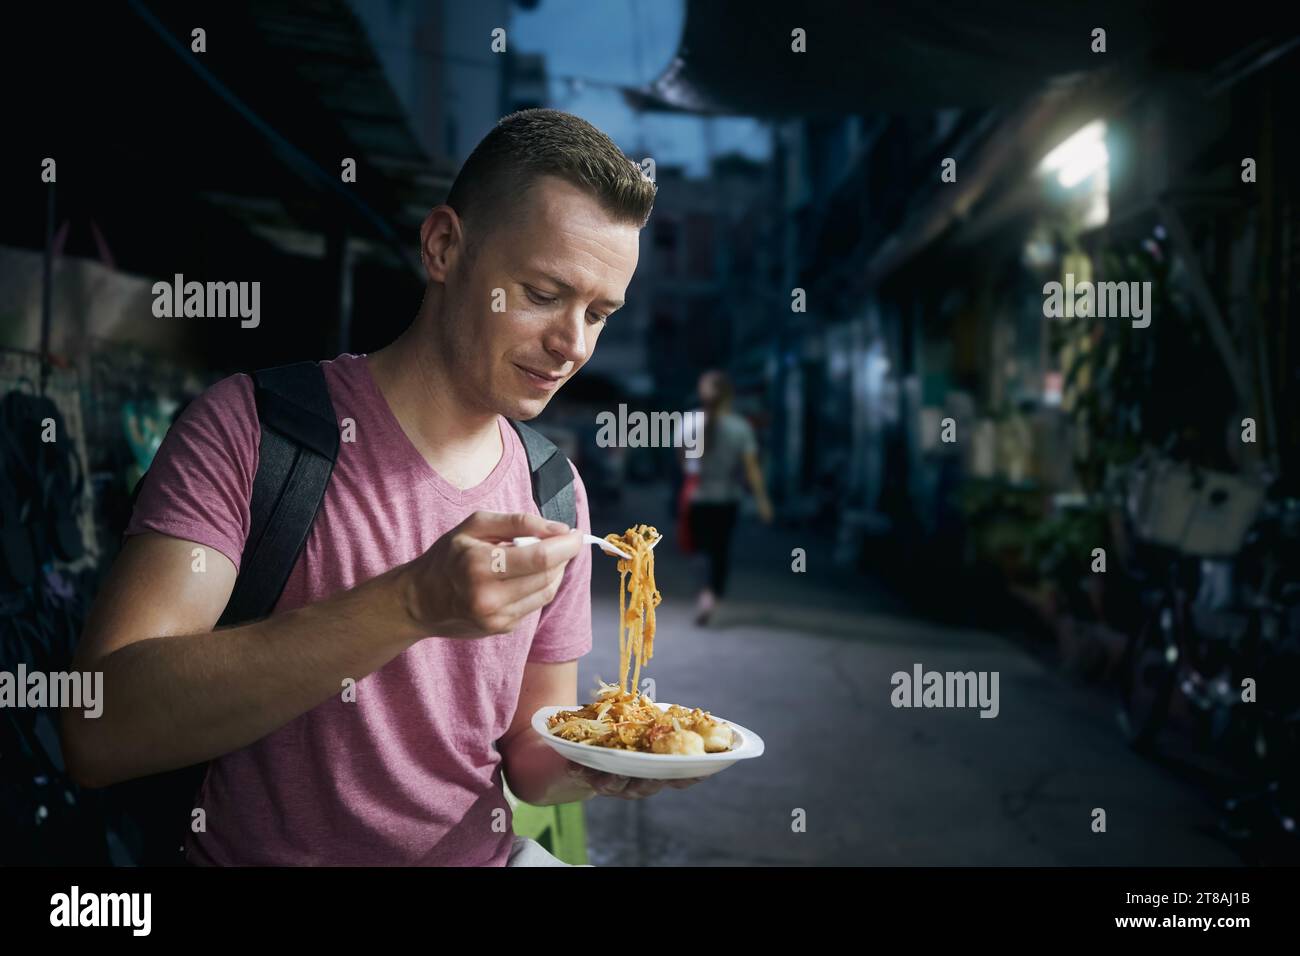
(1079, 156)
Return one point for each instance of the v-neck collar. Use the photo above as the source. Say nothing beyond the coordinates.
(396, 439)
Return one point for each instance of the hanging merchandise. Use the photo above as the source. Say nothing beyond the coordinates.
(44, 817)
(49, 472)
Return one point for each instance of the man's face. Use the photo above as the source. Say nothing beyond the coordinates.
(563, 267)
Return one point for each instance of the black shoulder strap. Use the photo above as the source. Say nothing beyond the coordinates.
(551, 474)
(300, 443)
(296, 456)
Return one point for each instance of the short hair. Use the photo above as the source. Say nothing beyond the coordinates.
(532, 143)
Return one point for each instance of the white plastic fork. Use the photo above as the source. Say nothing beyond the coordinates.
(592, 539)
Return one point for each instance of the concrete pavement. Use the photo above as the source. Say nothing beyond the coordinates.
(805, 660)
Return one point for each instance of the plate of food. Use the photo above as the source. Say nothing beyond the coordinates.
(627, 733)
(627, 746)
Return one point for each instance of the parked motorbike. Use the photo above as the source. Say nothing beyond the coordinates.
(1216, 562)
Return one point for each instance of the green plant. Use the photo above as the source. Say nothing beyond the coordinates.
(1000, 521)
(1162, 386)
(1061, 549)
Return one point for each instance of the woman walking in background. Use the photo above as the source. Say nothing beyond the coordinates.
(713, 490)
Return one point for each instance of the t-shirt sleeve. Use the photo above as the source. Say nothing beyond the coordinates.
(199, 485)
(748, 441)
(564, 630)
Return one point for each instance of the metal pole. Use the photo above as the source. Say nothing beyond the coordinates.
(47, 286)
(338, 263)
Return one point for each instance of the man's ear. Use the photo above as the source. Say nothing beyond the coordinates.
(442, 235)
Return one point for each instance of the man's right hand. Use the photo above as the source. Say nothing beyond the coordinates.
(472, 582)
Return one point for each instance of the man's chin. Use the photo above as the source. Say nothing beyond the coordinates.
(522, 409)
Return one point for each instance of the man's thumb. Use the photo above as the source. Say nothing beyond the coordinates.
(495, 524)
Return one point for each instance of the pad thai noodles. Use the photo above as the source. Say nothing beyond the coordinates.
(637, 599)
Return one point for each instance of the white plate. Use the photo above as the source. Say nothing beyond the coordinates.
(632, 763)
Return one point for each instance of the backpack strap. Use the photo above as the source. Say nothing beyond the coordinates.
(296, 456)
(551, 476)
(300, 443)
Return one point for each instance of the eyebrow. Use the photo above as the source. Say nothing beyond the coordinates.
(611, 303)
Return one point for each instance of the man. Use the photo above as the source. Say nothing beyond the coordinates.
(395, 587)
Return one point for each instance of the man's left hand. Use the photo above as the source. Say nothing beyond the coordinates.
(625, 788)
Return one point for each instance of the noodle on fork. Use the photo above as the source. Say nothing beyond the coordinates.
(637, 601)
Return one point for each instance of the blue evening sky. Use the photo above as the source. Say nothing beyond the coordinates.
(592, 45)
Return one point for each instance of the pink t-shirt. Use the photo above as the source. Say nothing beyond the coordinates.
(409, 773)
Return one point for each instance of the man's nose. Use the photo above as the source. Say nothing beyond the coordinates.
(567, 338)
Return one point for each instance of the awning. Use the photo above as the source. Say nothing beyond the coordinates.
(735, 56)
